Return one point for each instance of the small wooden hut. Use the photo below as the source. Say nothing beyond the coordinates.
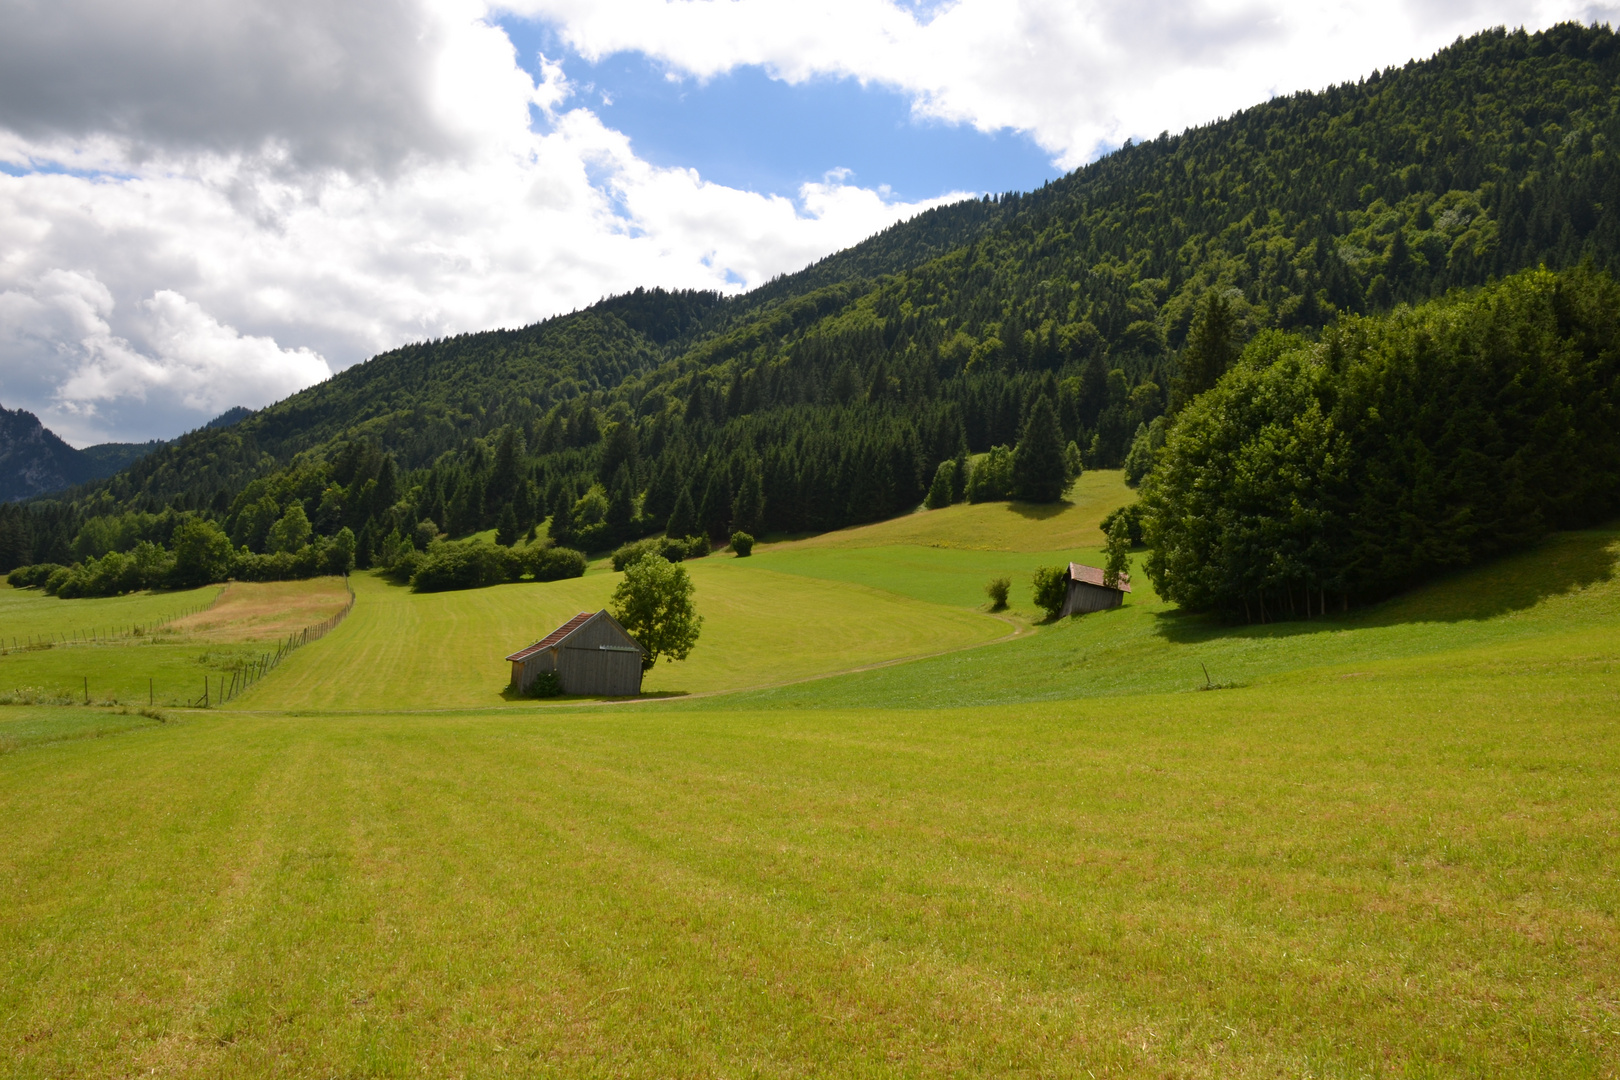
(1088, 592)
(591, 654)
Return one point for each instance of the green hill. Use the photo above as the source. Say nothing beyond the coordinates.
(842, 386)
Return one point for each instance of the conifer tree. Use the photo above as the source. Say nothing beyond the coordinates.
(1040, 472)
(506, 528)
(1211, 348)
(748, 508)
(562, 515)
(715, 514)
(683, 519)
(503, 476)
(621, 510)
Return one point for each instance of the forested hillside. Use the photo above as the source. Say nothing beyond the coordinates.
(831, 396)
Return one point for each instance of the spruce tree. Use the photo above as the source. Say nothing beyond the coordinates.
(562, 515)
(1040, 472)
(507, 530)
(621, 510)
(683, 519)
(714, 516)
(504, 475)
(748, 508)
(1211, 348)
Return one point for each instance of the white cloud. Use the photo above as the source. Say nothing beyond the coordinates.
(219, 200)
(60, 323)
(204, 276)
(1077, 75)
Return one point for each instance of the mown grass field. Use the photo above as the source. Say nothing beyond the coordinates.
(405, 650)
(1389, 850)
(168, 666)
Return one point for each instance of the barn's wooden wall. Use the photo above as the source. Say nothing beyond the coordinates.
(525, 672)
(586, 668)
(1083, 598)
(594, 670)
(583, 666)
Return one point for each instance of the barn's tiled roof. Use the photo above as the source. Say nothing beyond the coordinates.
(555, 636)
(1093, 575)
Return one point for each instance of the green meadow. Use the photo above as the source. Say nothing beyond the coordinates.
(866, 830)
(202, 634)
(29, 614)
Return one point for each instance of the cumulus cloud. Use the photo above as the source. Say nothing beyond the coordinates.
(161, 265)
(206, 203)
(1077, 75)
(179, 353)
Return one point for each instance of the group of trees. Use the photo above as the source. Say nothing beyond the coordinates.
(198, 552)
(1315, 475)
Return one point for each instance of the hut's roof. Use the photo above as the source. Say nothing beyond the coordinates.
(559, 635)
(1094, 575)
(554, 637)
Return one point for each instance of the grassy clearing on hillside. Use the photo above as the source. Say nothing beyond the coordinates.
(938, 575)
(28, 613)
(404, 650)
(169, 666)
(995, 526)
(1553, 594)
(1410, 875)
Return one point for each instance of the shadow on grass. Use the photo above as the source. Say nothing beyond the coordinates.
(1039, 511)
(516, 698)
(1563, 564)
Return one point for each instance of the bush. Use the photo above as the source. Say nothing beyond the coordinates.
(742, 544)
(59, 577)
(1132, 516)
(1051, 589)
(942, 492)
(992, 477)
(553, 563)
(451, 566)
(546, 684)
(997, 591)
(404, 566)
(32, 577)
(625, 554)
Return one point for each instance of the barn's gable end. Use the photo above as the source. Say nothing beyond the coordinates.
(591, 654)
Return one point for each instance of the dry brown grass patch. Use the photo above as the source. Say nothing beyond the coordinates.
(265, 610)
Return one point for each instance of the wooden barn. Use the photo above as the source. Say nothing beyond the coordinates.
(1087, 592)
(591, 654)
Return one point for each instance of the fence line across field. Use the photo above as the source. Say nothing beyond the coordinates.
(251, 672)
(97, 635)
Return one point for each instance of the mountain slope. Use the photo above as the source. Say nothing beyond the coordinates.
(33, 459)
(843, 385)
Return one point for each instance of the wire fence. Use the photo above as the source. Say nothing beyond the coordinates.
(100, 635)
(251, 672)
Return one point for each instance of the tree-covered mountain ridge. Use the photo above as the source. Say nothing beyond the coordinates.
(843, 386)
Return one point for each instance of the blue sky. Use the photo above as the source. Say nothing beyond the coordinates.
(747, 130)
